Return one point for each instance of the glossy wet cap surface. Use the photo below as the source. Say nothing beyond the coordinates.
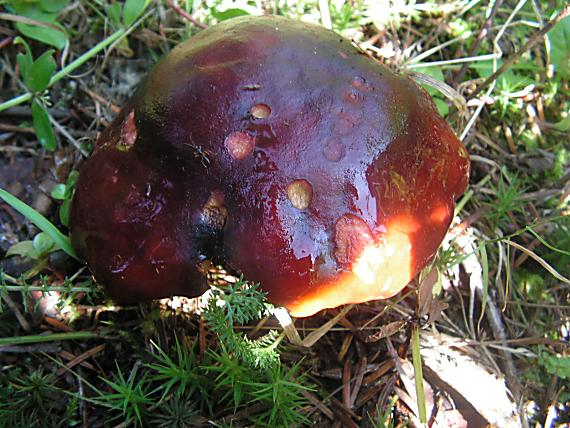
(278, 149)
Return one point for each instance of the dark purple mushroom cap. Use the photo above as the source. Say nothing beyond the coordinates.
(280, 150)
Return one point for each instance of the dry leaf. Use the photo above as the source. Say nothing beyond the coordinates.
(386, 331)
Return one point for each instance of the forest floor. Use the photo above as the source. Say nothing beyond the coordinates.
(492, 310)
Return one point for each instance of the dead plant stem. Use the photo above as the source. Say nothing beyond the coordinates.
(480, 37)
(533, 40)
(175, 7)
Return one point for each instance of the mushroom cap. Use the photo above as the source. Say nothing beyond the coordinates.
(276, 148)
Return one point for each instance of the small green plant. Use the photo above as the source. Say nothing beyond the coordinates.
(128, 395)
(68, 290)
(555, 364)
(282, 393)
(36, 74)
(59, 239)
(64, 192)
(510, 86)
(241, 303)
(256, 376)
(42, 20)
(346, 16)
(508, 191)
(45, 241)
(28, 396)
(40, 23)
(38, 248)
(230, 376)
(180, 376)
(176, 413)
(384, 419)
(175, 385)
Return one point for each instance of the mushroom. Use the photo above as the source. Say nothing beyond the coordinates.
(278, 149)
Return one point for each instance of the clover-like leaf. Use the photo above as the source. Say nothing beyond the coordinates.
(42, 243)
(22, 249)
(40, 72)
(132, 10)
(53, 35)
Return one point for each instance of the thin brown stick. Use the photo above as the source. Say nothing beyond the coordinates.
(318, 404)
(81, 359)
(185, 14)
(19, 316)
(533, 40)
(346, 379)
(15, 128)
(27, 21)
(358, 381)
(480, 37)
(6, 41)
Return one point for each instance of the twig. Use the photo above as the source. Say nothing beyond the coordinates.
(536, 37)
(48, 348)
(6, 41)
(67, 135)
(80, 359)
(484, 57)
(429, 52)
(318, 404)
(358, 382)
(293, 335)
(185, 14)
(484, 31)
(27, 21)
(540, 260)
(19, 316)
(498, 327)
(346, 380)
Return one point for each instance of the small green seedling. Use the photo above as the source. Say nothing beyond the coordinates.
(36, 249)
(59, 239)
(36, 74)
(64, 192)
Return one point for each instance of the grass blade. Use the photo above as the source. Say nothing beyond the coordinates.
(41, 338)
(40, 221)
(541, 261)
(418, 374)
(485, 267)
